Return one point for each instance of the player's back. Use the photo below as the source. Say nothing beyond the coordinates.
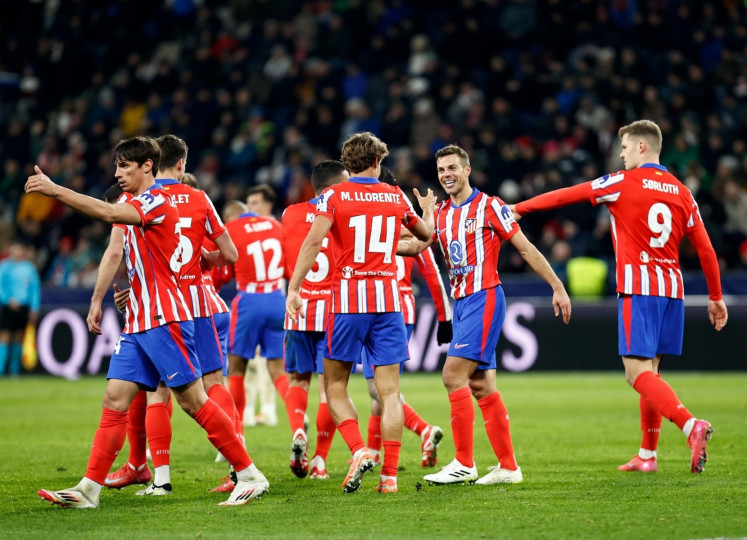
(651, 211)
(367, 216)
(260, 266)
(316, 288)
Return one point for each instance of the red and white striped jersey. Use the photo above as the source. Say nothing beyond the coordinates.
(366, 216)
(198, 220)
(213, 279)
(152, 253)
(427, 265)
(470, 237)
(650, 212)
(316, 289)
(260, 267)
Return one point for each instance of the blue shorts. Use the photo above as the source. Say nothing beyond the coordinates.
(381, 335)
(368, 371)
(477, 322)
(207, 344)
(257, 319)
(304, 351)
(222, 322)
(166, 353)
(648, 326)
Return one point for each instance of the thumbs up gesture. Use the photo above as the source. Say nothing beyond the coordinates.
(40, 183)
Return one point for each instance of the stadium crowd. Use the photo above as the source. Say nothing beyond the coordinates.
(261, 91)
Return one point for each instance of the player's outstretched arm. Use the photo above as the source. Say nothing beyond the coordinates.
(552, 199)
(94, 208)
(560, 299)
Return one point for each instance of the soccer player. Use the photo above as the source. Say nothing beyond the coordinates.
(430, 435)
(650, 212)
(257, 310)
(157, 343)
(304, 338)
(363, 217)
(470, 227)
(258, 383)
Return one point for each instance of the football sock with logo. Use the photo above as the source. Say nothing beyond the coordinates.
(236, 387)
(158, 428)
(391, 458)
(374, 432)
(462, 425)
(413, 422)
(282, 384)
(222, 434)
(325, 431)
(296, 401)
(351, 434)
(662, 397)
(223, 398)
(498, 428)
(650, 424)
(107, 442)
(136, 430)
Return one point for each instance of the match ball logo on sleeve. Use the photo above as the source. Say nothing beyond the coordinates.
(323, 200)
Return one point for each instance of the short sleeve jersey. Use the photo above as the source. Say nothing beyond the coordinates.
(316, 288)
(366, 216)
(212, 280)
(152, 253)
(650, 212)
(198, 220)
(470, 237)
(260, 267)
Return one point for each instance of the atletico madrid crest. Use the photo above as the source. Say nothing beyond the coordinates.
(470, 225)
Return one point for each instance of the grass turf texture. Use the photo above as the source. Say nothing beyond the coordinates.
(570, 431)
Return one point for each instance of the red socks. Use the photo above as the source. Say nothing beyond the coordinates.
(650, 424)
(351, 433)
(413, 422)
(282, 384)
(236, 387)
(107, 442)
(158, 428)
(662, 398)
(499, 432)
(374, 432)
(462, 425)
(136, 429)
(325, 431)
(221, 433)
(296, 401)
(223, 398)
(391, 458)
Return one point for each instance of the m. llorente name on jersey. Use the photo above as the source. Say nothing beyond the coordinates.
(370, 197)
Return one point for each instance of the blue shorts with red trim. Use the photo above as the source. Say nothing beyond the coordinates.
(648, 326)
(207, 344)
(477, 322)
(222, 323)
(257, 319)
(368, 371)
(304, 351)
(166, 353)
(381, 335)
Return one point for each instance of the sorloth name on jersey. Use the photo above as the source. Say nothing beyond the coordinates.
(660, 186)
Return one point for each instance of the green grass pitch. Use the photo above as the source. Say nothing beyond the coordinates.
(570, 432)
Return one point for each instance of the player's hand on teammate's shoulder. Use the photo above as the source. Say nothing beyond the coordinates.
(517, 216)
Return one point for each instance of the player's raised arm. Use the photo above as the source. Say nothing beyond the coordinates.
(94, 208)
